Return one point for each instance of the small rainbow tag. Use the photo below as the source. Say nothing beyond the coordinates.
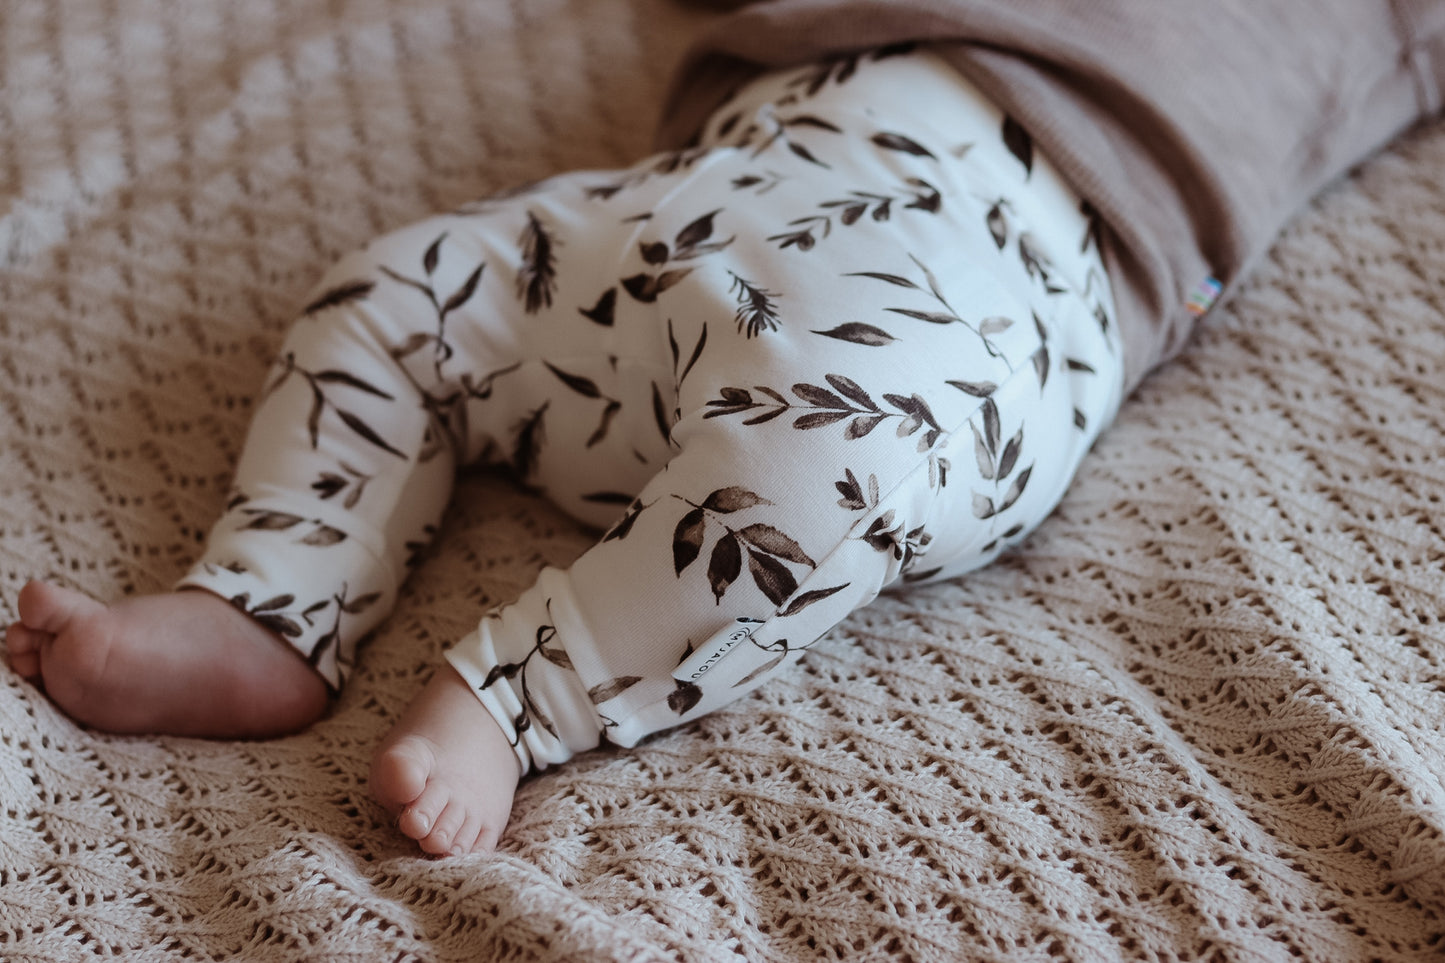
(1204, 296)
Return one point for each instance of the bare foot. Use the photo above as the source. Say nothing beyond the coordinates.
(446, 770)
(185, 663)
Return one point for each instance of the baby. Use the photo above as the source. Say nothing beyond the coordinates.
(858, 332)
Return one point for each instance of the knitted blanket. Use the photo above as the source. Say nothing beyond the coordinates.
(1197, 716)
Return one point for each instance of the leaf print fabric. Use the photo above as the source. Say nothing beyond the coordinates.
(855, 338)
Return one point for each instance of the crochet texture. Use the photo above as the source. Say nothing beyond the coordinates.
(1197, 716)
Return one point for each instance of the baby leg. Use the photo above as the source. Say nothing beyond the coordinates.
(882, 369)
(423, 350)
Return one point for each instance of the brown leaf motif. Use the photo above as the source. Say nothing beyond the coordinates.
(859, 333)
(808, 598)
(321, 401)
(843, 400)
(684, 697)
(612, 688)
(1019, 143)
(899, 142)
(756, 310)
(767, 549)
(537, 273)
(345, 293)
(604, 312)
(732, 499)
(725, 564)
(687, 539)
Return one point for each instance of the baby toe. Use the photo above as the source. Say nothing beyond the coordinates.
(50, 608)
(22, 649)
(415, 822)
(466, 838)
(420, 817)
(444, 830)
(399, 774)
(26, 665)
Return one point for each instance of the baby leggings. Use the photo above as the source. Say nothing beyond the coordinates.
(859, 335)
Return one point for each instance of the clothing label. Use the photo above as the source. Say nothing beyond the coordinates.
(1204, 296)
(712, 651)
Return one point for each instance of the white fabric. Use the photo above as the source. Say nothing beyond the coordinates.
(854, 287)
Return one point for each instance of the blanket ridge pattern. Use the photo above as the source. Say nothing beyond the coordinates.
(1196, 717)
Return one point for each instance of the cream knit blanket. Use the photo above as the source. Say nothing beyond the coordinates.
(1198, 716)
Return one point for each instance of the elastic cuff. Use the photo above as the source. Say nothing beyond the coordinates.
(516, 663)
(317, 588)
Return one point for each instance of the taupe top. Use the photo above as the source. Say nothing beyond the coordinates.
(1195, 129)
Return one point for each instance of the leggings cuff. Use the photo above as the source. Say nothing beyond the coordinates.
(321, 607)
(516, 664)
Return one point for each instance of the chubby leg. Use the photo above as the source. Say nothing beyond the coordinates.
(346, 469)
(884, 370)
(432, 346)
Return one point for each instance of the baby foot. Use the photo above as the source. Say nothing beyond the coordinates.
(185, 663)
(446, 770)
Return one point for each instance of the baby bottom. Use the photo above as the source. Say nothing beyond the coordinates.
(860, 335)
